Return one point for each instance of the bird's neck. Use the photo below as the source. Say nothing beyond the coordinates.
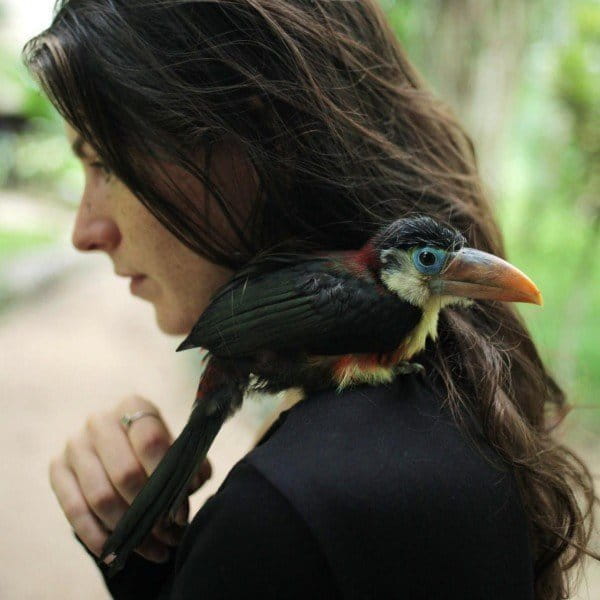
(368, 257)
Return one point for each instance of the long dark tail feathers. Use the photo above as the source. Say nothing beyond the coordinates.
(167, 487)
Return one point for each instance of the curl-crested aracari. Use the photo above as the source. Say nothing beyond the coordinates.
(315, 321)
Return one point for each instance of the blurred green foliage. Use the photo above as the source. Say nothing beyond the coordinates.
(35, 161)
(548, 159)
(37, 157)
(548, 199)
(15, 242)
(566, 208)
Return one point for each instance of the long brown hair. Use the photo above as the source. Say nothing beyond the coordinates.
(343, 136)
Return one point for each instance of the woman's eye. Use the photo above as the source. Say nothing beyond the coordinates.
(429, 260)
(102, 167)
(99, 165)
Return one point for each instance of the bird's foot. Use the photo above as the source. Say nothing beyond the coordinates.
(409, 368)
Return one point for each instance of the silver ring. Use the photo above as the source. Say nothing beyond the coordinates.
(127, 419)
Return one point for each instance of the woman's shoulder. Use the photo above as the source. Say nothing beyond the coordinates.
(377, 436)
(390, 487)
(369, 494)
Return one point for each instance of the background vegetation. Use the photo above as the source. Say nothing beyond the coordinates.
(524, 78)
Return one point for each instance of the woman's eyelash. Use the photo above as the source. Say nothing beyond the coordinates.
(102, 166)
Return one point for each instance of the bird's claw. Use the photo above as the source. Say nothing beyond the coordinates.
(410, 368)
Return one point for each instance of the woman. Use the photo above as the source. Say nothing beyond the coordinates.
(211, 131)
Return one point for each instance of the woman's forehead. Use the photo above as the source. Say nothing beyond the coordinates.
(72, 133)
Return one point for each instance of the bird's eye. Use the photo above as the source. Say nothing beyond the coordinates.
(429, 260)
(426, 258)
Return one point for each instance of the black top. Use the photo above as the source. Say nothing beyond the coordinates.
(373, 493)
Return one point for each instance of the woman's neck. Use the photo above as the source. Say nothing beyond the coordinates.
(290, 397)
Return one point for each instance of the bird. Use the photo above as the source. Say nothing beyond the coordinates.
(315, 321)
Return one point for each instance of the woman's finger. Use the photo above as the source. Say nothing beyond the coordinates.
(203, 474)
(119, 459)
(82, 519)
(70, 497)
(150, 440)
(98, 491)
(153, 550)
(167, 532)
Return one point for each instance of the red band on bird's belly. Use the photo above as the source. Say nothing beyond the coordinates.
(393, 358)
(364, 362)
(368, 362)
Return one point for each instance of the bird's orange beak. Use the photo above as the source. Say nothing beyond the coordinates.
(481, 276)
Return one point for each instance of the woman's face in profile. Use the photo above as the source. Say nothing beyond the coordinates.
(178, 282)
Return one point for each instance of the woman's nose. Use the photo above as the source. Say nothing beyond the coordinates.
(95, 232)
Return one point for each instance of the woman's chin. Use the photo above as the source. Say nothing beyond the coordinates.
(172, 323)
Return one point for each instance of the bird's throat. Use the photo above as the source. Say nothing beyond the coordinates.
(426, 328)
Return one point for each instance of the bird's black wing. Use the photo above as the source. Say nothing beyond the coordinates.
(317, 305)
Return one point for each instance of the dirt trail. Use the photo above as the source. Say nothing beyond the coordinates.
(72, 350)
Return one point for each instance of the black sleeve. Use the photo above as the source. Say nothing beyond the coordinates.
(246, 541)
(142, 579)
(139, 579)
(249, 542)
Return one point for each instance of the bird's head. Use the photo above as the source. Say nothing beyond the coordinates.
(423, 261)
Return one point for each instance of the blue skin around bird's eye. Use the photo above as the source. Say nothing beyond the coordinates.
(429, 260)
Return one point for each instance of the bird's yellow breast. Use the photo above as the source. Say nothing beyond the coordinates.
(373, 368)
(427, 327)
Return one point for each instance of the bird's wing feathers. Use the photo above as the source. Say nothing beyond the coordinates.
(316, 305)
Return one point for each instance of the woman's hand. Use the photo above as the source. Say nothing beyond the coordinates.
(102, 469)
